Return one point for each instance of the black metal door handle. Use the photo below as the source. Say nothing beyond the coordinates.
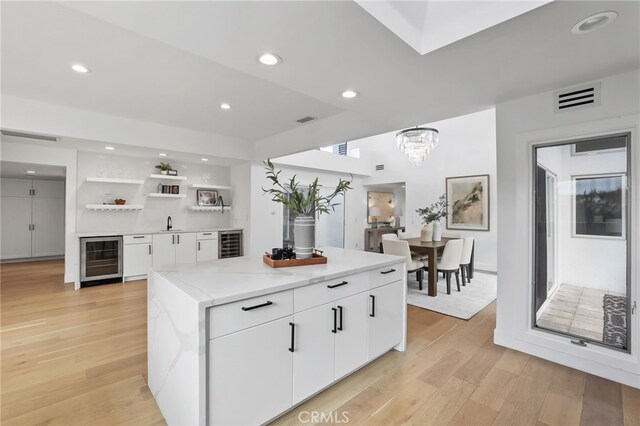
(293, 329)
(373, 305)
(387, 272)
(262, 305)
(335, 320)
(198, 245)
(340, 310)
(338, 285)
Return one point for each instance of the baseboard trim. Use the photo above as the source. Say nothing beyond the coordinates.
(31, 259)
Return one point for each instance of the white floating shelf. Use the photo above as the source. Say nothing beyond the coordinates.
(114, 207)
(115, 180)
(159, 195)
(167, 177)
(208, 186)
(209, 208)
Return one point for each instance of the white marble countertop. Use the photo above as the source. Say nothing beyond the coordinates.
(228, 280)
(154, 231)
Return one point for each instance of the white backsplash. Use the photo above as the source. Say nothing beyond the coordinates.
(155, 212)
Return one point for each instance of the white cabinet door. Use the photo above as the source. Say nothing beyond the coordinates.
(351, 339)
(313, 355)
(48, 226)
(207, 250)
(48, 188)
(137, 259)
(15, 187)
(14, 226)
(186, 248)
(164, 249)
(250, 374)
(385, 318)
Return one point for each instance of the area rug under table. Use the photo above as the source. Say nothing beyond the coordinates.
(464, 304)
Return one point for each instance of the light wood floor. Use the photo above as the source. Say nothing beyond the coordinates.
(79, 357)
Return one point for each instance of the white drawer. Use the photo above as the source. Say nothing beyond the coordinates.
(137, 239)
(225, 319)
(210, 235)
(327, 291)
(386, 275)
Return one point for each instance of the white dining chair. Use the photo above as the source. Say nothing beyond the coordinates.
(450, 262)
(465, 259)
(391, 236)
(401, 248)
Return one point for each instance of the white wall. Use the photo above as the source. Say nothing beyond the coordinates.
(25, 153)
(467, 147)
(521, 123)
(154, 215)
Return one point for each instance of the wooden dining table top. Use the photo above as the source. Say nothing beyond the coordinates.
(416, 243)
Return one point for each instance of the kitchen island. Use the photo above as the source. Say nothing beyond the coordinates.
(234, 341)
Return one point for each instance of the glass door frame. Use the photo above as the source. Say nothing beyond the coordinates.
(581, 340)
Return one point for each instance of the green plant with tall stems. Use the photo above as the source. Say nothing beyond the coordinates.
(293, 196)
(435, 211)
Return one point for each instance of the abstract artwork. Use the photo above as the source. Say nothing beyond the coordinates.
(468, 201)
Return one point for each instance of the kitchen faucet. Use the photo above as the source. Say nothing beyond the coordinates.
(169, 223)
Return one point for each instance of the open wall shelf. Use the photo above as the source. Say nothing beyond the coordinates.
(209, 208)
(115, 180)
(160, 195)
(208, 186)
(114, 207)
(167, 177)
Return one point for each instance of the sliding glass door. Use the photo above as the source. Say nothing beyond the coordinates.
(581, 234)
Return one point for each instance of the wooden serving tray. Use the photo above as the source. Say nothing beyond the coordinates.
(316, 259)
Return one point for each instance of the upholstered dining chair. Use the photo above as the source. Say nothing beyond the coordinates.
(465, 259)
(450, 262)
(401, 248)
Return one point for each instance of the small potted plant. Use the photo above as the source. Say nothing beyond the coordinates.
(432, 229)
(164, 168)
(306, 201)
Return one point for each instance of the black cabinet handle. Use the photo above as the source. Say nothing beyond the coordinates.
(338, 285)
(198, 245)
(262, 305)
(373, 305)
(293, 330)
(139, 236)
(173, 239)
(178, 238)
(335, 320)
(149, 248)
(340, 310)
(206, 233)
(387, 272)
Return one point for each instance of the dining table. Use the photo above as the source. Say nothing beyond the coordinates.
(431, 248)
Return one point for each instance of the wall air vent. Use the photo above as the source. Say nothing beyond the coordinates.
(379, 167)
(30, 135)
(305, 119)
(583, 96)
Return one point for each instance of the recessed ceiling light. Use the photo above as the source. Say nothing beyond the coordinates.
(109, 148)
(162, 154)
(204, 159)
(80, 68)
(225, 106)
(594, 22)
(270, 59)
(30, 172)
(349, 94)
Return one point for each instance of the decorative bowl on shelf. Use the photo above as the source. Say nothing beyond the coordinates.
(120, 201)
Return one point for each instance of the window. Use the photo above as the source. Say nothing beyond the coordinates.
(599, 205)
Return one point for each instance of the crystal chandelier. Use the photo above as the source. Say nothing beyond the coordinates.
(417, 143)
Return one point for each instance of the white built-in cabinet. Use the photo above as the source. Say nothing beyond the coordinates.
(137, 255)
(173, 248)
(32, 222)
(269, 353)
(206, 246)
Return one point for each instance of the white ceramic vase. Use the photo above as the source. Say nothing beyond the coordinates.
(304, 236)
(426, 233)
(437, 231)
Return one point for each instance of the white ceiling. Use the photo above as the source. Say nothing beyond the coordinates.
(174, 62)
(10, 169)
(429, 25)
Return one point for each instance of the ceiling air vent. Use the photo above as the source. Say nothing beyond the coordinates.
(379, 167)
(586, 95)
(305, 119)
(30, 135)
